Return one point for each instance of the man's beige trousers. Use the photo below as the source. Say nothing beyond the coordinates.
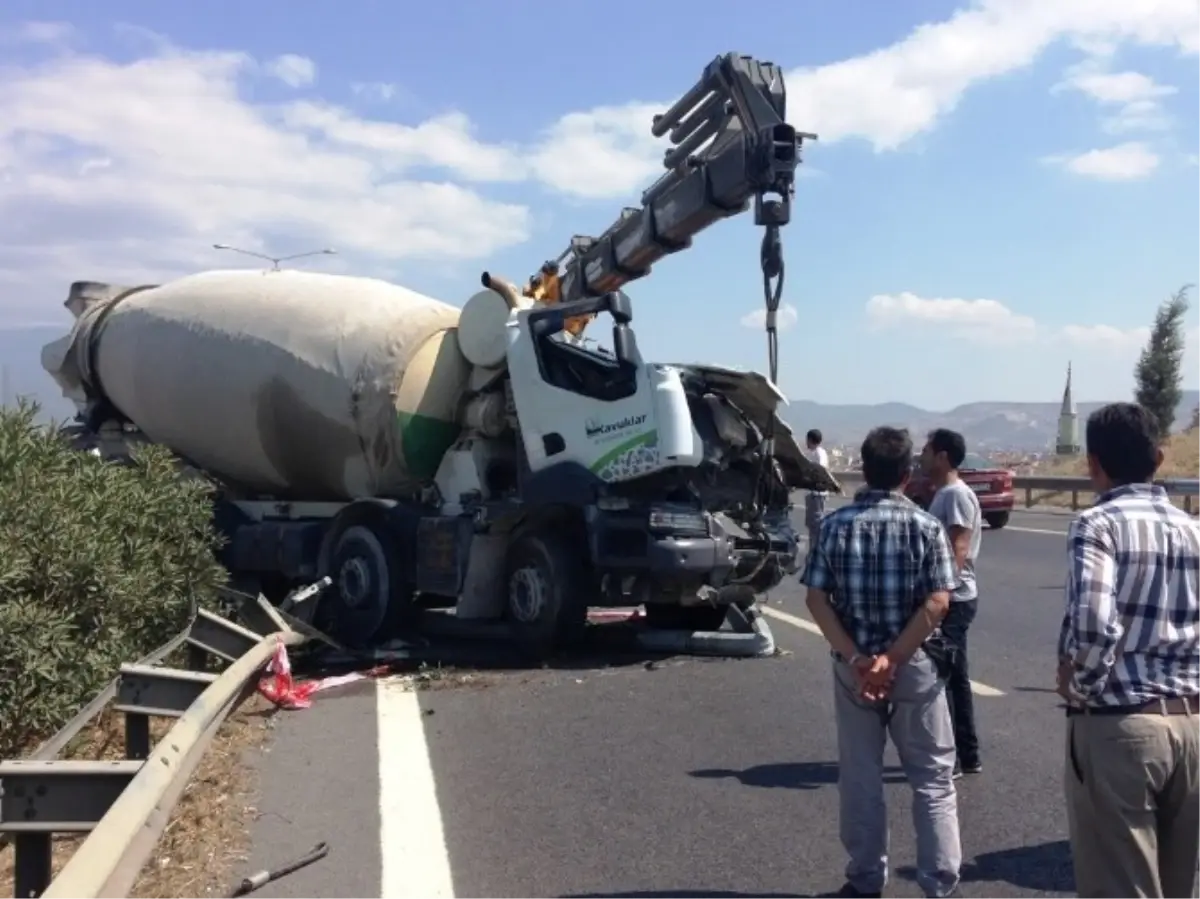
(1133, 803)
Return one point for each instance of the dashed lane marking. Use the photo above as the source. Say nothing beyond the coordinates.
(805, 625)
(416, 861)
(1037, 531)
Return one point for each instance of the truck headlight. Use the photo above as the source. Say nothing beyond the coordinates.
(678, 522)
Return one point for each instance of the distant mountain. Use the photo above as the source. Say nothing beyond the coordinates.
(987, 426)
(21, 364)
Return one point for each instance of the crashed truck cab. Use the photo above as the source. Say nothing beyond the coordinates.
(678, 499)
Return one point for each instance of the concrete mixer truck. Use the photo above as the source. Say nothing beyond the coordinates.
(485, 457)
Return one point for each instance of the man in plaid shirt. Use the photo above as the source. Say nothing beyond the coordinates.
(1129, 668)
(879, 578)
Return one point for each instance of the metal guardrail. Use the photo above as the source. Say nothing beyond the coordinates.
(125, 806)
(1188, 488)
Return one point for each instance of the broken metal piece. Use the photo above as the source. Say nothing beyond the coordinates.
(220, 637)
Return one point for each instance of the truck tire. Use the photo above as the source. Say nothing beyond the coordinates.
(666, 616)
(996, 520)
(369, 596)
(546, 598)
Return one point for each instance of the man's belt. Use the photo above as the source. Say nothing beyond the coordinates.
(1174, 705)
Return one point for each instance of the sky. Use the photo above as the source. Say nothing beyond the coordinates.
(999, 188)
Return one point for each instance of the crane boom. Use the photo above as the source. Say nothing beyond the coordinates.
(731, 145)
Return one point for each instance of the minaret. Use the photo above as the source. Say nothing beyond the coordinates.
(1067, 443)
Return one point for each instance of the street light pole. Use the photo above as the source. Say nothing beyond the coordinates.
(275, 260)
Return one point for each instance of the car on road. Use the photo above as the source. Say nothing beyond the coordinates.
(993, 486)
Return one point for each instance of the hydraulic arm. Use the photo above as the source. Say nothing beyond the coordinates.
(731, 145)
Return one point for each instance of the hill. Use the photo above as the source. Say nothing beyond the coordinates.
(1026, 427)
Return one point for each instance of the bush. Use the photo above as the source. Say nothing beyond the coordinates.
(100, 563)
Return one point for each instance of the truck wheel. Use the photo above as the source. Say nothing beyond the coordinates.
(546, 598)
(368, 595)
(996, 520)
(665, 616)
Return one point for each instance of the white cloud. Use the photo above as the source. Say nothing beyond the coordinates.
(785, 318)
(55, 33)
(612, 144)
(1137, 97)
(990, 322)
(293, 70)
(1119, 87)
(130, 171)
(979, 320)
(891, 95)
(1129, 161)
(1106, 337)
(379, 91)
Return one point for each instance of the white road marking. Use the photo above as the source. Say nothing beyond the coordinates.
(805, 625)
(416, 861)
(1036, 531)
(794, 620)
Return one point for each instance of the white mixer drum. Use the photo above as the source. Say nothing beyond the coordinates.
(292, 384)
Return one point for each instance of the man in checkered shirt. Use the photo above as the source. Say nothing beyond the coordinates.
(879, 579)
(1129, 668)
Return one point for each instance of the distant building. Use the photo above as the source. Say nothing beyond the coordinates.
(1067, 443)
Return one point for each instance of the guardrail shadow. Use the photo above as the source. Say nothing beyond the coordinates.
(790, 775)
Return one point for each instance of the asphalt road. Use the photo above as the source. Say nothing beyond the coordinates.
(688, 777)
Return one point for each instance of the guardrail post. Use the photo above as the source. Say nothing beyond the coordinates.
(32, 864)
(1187, 504)
(1074, 500)
(137, 737)
(197, 658)
(1028, 497)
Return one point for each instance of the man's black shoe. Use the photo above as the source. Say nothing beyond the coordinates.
(849, 891)
(975, 768)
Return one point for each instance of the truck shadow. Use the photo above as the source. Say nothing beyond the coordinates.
(603, 646)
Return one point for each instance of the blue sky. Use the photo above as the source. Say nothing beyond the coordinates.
(999, 187)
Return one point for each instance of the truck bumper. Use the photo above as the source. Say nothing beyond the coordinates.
(622, 543)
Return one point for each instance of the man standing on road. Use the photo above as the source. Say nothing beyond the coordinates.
(956, 506)
(1129, 668)
(879, 578)
(814, 502)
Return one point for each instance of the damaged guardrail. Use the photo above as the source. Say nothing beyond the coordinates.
(1188, 488)
(124, 806)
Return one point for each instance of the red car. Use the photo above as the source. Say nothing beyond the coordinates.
(993, 486)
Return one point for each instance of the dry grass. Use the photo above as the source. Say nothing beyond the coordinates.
(207, 836)
(1182, 461)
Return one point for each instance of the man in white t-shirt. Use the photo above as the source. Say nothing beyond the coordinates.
(956, 506)
(814, 503)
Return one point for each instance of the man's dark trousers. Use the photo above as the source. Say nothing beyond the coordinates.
(958, 686)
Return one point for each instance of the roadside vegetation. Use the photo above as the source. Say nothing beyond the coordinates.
(101, 564)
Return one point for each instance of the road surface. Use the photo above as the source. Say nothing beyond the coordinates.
(683, 778)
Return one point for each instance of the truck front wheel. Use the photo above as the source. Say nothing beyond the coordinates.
(367, 595)
(546, 600)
